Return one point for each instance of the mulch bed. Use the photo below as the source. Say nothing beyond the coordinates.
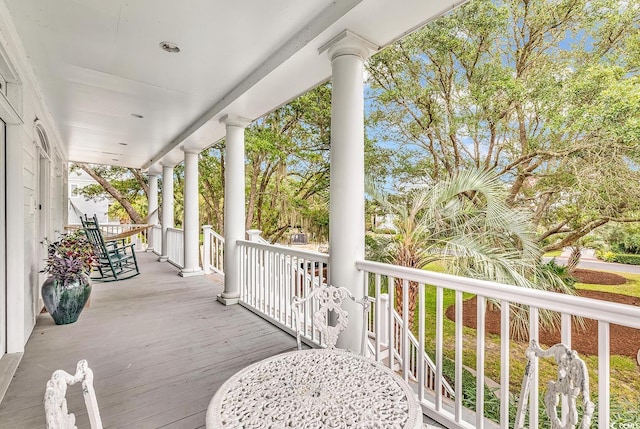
(598, 277)
(624, 340)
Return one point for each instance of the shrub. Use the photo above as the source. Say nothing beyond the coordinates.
(561, 271)
(606, 256)
(622, 258)
(386, 231)
(625, 258)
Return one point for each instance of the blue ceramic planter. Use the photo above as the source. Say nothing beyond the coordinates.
(65, 302)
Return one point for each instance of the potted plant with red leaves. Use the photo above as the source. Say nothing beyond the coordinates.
(69, 263)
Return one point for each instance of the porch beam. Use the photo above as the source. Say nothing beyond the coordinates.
(234, 205)
(191, 215)
(347, 53)
(167, 208)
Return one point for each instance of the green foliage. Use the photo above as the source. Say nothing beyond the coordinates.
(377, 247)
(290, 161)
(606, 255)
(70, 257)
(546, 95)
(464, 222)
(623, 414)
(127, 187)
(385, 231)
(621, 258)
(623, 238)
(560, 271)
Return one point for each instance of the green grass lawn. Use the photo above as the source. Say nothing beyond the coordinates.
(553, 254)
(631, 287)
(625, 374)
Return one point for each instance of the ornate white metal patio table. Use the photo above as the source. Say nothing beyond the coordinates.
(317, 388)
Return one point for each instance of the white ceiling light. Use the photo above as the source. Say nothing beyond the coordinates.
(169, 47)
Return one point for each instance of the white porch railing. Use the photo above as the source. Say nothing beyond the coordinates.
(139, 239)
(156, 234)
(272, 275)
(452, 413)
(380, 348)
(212, 251)
(175, 247)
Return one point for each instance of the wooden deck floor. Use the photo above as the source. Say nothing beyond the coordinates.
(159, 345)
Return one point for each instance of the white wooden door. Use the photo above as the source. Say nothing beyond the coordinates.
(43, 211)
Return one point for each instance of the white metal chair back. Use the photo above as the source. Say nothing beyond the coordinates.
(329, 300)
(573, 381)
(55, 402)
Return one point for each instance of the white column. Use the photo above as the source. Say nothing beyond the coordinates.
(191, 233)
(347, 52)
(153, 208)
(234, 206)
(167, 208)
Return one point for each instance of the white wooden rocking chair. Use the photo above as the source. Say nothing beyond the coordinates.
(573, 380)
(329, 299)
(55, 402)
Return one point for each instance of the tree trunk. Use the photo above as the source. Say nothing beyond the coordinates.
(133, 214)
(574, 259)
(413, 300)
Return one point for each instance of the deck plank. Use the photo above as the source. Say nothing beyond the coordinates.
(159, 345)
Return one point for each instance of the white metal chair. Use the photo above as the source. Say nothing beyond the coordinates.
(329, 299)
(55, 402)
(573, 380)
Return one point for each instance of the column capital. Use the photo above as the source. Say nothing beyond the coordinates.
(154, 170)
(349, 43)
(167, 165)
(189, 150)
(235, 121)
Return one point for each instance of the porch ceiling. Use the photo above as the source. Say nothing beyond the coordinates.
(98, 62)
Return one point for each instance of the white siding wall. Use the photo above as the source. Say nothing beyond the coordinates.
(30, 182)
(3, 283)
(25, 188)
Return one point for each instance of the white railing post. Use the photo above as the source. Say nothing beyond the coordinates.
(207, 231)
(167, 209)
(254, 235)
(383, 333)
(153, 209)
(156, 232)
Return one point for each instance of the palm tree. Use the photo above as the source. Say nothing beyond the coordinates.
(465, 223)
(576, 250)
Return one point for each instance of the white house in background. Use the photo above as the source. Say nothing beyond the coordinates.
(78, 203)
(385, 222)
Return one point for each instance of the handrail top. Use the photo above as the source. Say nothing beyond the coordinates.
(620, 314)
(307, 254)
(122, 225)
(175, 229)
